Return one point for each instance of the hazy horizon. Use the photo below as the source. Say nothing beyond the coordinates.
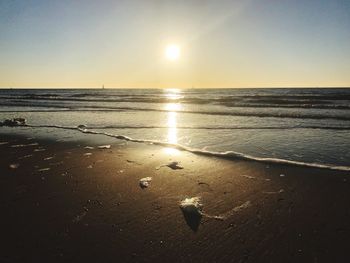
(177, 88)
(222, 44)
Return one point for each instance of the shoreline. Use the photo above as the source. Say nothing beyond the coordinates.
(230, 155)
(89, 207)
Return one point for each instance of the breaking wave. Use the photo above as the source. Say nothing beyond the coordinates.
(260, 114)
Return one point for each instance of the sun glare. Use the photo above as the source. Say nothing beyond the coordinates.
(172, 52)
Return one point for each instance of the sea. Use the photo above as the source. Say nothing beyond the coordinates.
(299, 126)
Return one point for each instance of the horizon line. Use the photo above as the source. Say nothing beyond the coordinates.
(104, 87)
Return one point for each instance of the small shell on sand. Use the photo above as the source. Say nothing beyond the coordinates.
(89, 147)
(14, 165)
(44, 169)
(145, 182)
(39, 150)
(104, 146)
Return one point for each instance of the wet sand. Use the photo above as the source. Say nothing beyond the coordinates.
(62, 202)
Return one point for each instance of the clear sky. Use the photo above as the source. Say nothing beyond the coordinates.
(237, 43)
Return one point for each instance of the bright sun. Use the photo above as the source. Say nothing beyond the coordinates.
(172, 52)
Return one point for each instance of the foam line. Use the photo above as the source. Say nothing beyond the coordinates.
(222, 127)
(227, 154)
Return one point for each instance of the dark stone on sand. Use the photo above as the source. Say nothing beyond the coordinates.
(13, 122)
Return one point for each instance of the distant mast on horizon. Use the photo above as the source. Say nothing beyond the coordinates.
(103, 86)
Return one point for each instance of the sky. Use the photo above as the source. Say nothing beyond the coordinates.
(224, 44)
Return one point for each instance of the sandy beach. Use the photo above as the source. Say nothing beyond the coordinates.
(175, 131)
(75, 202)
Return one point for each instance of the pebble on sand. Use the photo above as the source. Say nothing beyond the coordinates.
(104, 146)
(145, 182)
(191, 205)
(174, 165)
(89, 147)
(14, 165)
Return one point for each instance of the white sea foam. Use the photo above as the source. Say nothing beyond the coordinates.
(226, 154)
(234, 210)
(24, 145)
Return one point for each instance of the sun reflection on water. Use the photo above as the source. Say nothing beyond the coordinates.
(172, 131)
(173, 106)
(172, 94)
(172, 109)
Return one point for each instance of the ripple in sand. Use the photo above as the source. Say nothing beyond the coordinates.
(274, 192)
(79, 217)
(25, 156)
(39, 150)
(247, 176)
(24, 145)
(131, 161)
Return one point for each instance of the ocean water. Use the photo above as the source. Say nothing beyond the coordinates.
(310, 126)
